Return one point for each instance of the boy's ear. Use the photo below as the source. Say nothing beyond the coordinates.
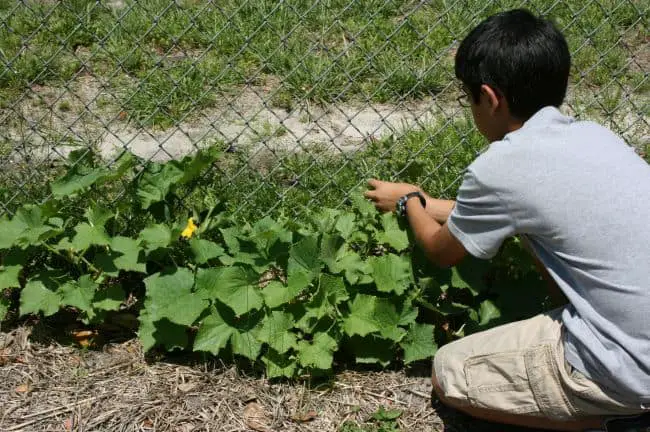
(492, 98)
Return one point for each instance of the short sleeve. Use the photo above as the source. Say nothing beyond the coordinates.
(480, 220)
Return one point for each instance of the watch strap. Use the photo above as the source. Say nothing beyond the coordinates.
(401, 203)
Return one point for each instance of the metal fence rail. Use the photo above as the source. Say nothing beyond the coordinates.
(269, 79)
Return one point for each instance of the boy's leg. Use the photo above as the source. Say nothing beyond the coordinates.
(495, 416)
(516, 374)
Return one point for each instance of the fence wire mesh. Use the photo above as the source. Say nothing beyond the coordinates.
(307, 99)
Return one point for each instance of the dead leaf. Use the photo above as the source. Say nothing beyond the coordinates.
(23, 388)
(255, 417)
(249, 397)
(84, 337)
(304, 417)
(185, 427)
(147, 424)
(186, 387)
(4, 356)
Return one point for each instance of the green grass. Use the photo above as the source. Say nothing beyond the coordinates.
(252, 184)
(179, 55)
(296, 182)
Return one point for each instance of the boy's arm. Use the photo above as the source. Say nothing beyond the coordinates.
(386, 199)
(428, 223)
(435, 239)
(438, 209)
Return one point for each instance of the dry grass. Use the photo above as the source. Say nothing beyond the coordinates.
(49, 387)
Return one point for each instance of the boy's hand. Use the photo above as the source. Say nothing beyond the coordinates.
(385, 194)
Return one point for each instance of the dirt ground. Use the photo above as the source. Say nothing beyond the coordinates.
(37, 128)
(50, 387)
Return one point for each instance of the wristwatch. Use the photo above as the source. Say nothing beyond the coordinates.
(401, 203)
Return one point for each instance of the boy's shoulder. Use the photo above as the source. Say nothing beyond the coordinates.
(548, 136)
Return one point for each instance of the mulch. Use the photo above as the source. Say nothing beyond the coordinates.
(48, 386)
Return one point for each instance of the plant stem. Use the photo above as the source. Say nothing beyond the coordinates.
(85, 261)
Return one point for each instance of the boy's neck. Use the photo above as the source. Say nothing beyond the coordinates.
(510, 125)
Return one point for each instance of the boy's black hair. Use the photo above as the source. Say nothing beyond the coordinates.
(524, 58)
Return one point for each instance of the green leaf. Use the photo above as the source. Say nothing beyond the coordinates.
(457, 280)
(170, 296)
(171, 336)
(418, 344)
(222, 326)
(193, 165)
(332, 248)
(36, 297)
(252, 259)
(470, 274)
(488, 312)
(365, 207)
(409, 313)
(204, 250)
(371, 349)
(155, 237)
(331, 292)
(346, 224)
(9, 276)
(246, 343)
(77, 180)
(213, 335)
(234, 286)
(146, 331)
(10, 231)
(319, 353)
(325, 220)
(156, 182)
(109, 299)
(231, 238)
(369, 314)
(79, 294)
(87, 235)
(276, 294)
(392, 234)
(333, 289)
(386, 415)
(267, 233)
(339, 259)
(35, 226)
(304, 263)
(98, 215)
(278, 365)
(276, 332)
(125, 254)
(356, 270)
(392, 273)
(361, 320)
(4, 306)
(30, 216)
(82, 174)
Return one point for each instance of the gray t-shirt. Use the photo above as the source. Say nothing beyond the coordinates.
(582, 198)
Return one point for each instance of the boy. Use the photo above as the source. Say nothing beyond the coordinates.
(580, 198)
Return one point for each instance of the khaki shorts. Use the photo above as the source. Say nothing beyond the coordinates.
(519, 368)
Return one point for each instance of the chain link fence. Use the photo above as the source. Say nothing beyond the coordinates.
(306, 98)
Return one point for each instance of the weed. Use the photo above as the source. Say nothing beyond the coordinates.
(322, 51)
(382, 420)
(65, 106)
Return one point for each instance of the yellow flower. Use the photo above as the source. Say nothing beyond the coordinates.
(189, 229)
